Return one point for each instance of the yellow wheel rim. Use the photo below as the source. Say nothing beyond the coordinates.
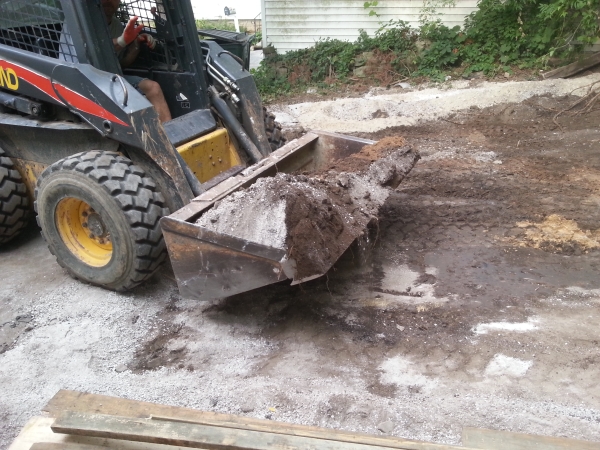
(83, 232)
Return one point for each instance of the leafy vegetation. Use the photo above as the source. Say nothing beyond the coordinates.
(371, 7)
(501, 36)
(227, 25)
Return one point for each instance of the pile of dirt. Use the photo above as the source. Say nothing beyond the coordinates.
(368, 154)
(315, 218)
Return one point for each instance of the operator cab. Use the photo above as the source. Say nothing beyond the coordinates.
(167, 63)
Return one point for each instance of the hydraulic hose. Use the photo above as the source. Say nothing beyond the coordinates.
(234, 125)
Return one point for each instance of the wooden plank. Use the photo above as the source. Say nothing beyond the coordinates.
(504, 440)
(100, 404)
(573, 68)
(38, 430)
(317, 433)
(34, 431)
(64, 446)
(191, 435)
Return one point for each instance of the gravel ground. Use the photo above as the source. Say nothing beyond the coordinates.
(383, 108)
(449, 315)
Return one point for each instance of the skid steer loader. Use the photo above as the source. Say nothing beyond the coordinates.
(84, 147)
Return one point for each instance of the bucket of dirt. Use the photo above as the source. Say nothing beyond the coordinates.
(290, 216)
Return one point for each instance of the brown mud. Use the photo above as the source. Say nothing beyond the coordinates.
(318, 231)
(368, 154)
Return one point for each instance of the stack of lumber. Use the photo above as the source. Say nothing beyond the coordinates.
(80, 421)
(584, 63)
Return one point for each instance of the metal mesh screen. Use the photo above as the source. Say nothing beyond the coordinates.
(38, 26)
(153, 16)
(35, 26)
(144, 11)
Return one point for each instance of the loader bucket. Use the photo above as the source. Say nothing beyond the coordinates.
(210, 265)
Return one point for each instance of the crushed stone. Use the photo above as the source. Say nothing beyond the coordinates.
(355, 115)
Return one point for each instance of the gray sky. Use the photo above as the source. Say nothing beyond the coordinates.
(246, 9)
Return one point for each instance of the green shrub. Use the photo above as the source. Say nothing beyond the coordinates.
(205, 24)
(501, 34)
(442, 51)
(506, 34)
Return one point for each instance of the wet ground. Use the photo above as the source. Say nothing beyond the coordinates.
(474, 302)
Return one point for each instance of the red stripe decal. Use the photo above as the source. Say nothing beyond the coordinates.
(74, 99)
(85, 105)
(39, 81)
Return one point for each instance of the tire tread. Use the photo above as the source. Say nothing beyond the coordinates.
(14, 202)
(125, 183)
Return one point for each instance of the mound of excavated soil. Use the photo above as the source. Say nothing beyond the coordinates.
(369, 154)
(315, 219)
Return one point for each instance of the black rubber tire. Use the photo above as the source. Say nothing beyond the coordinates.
(14, 202)
(273, 129)
(129, 204)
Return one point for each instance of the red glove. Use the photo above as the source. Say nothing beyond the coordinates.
(130, 33)
(148, 40)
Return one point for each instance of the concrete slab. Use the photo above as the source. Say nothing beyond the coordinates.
(256, 56)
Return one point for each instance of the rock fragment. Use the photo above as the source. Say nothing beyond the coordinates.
(386, 427)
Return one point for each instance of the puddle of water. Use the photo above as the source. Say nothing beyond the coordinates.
(399, 278)
(400, 284)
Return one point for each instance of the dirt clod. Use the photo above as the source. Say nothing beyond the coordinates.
(369, 154)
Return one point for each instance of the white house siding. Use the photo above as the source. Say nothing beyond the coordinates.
(290, 25)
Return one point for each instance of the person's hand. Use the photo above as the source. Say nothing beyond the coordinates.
(131, 32)
(148, 40)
